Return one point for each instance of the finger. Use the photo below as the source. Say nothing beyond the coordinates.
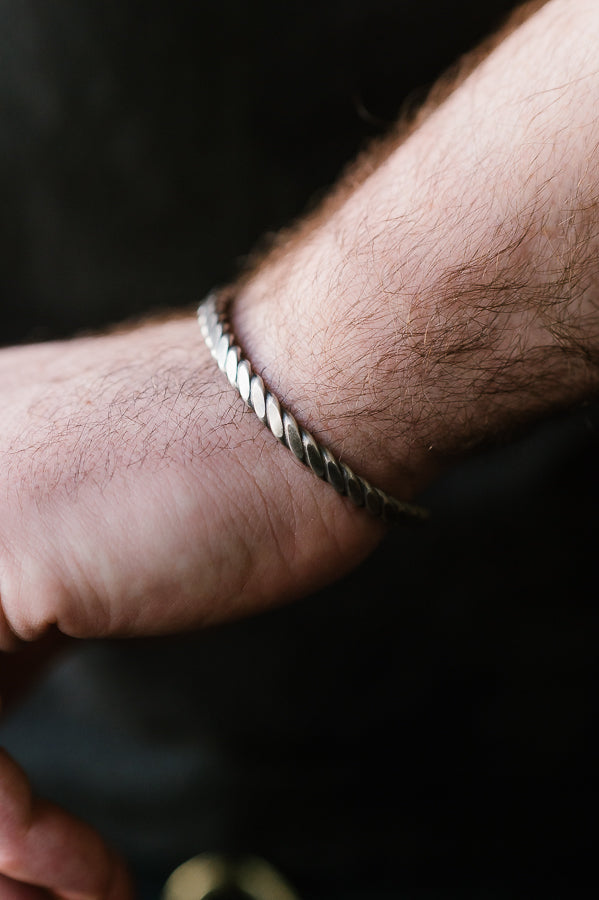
(42, 845)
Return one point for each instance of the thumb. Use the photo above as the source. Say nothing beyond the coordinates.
(43, 846)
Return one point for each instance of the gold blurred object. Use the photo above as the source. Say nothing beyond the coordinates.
(216, 875)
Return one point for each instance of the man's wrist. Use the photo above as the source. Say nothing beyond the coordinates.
(215, 325)
(329, 376)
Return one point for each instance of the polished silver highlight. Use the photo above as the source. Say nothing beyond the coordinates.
(233, 357)
(274, 416)
(215, 328)
(221, 350)
(215, 334)
(244, 379)
(258, 397)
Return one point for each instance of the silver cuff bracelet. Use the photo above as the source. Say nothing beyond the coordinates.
(216, 330)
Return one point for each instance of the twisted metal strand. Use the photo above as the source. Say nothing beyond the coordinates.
(219, 339)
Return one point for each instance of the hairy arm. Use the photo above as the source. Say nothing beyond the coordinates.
(453, 293)
(447, 294)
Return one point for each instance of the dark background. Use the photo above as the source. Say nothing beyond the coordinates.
(146, 147)
(425, 728)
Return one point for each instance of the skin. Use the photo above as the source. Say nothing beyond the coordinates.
(445, 295)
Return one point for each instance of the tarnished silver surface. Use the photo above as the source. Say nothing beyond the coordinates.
(353, 486)
(293, 437)
(372, 500)
(312, 454)
(332, 470)
(216, 332)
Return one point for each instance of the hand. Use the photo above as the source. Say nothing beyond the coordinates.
(42, 845)
(138, 497)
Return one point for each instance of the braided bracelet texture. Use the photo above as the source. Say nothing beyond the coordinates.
(216, 330)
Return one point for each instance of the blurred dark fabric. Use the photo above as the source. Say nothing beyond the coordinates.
(146, 146)
(424, 728)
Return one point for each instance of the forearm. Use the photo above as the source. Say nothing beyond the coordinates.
(453, 294)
